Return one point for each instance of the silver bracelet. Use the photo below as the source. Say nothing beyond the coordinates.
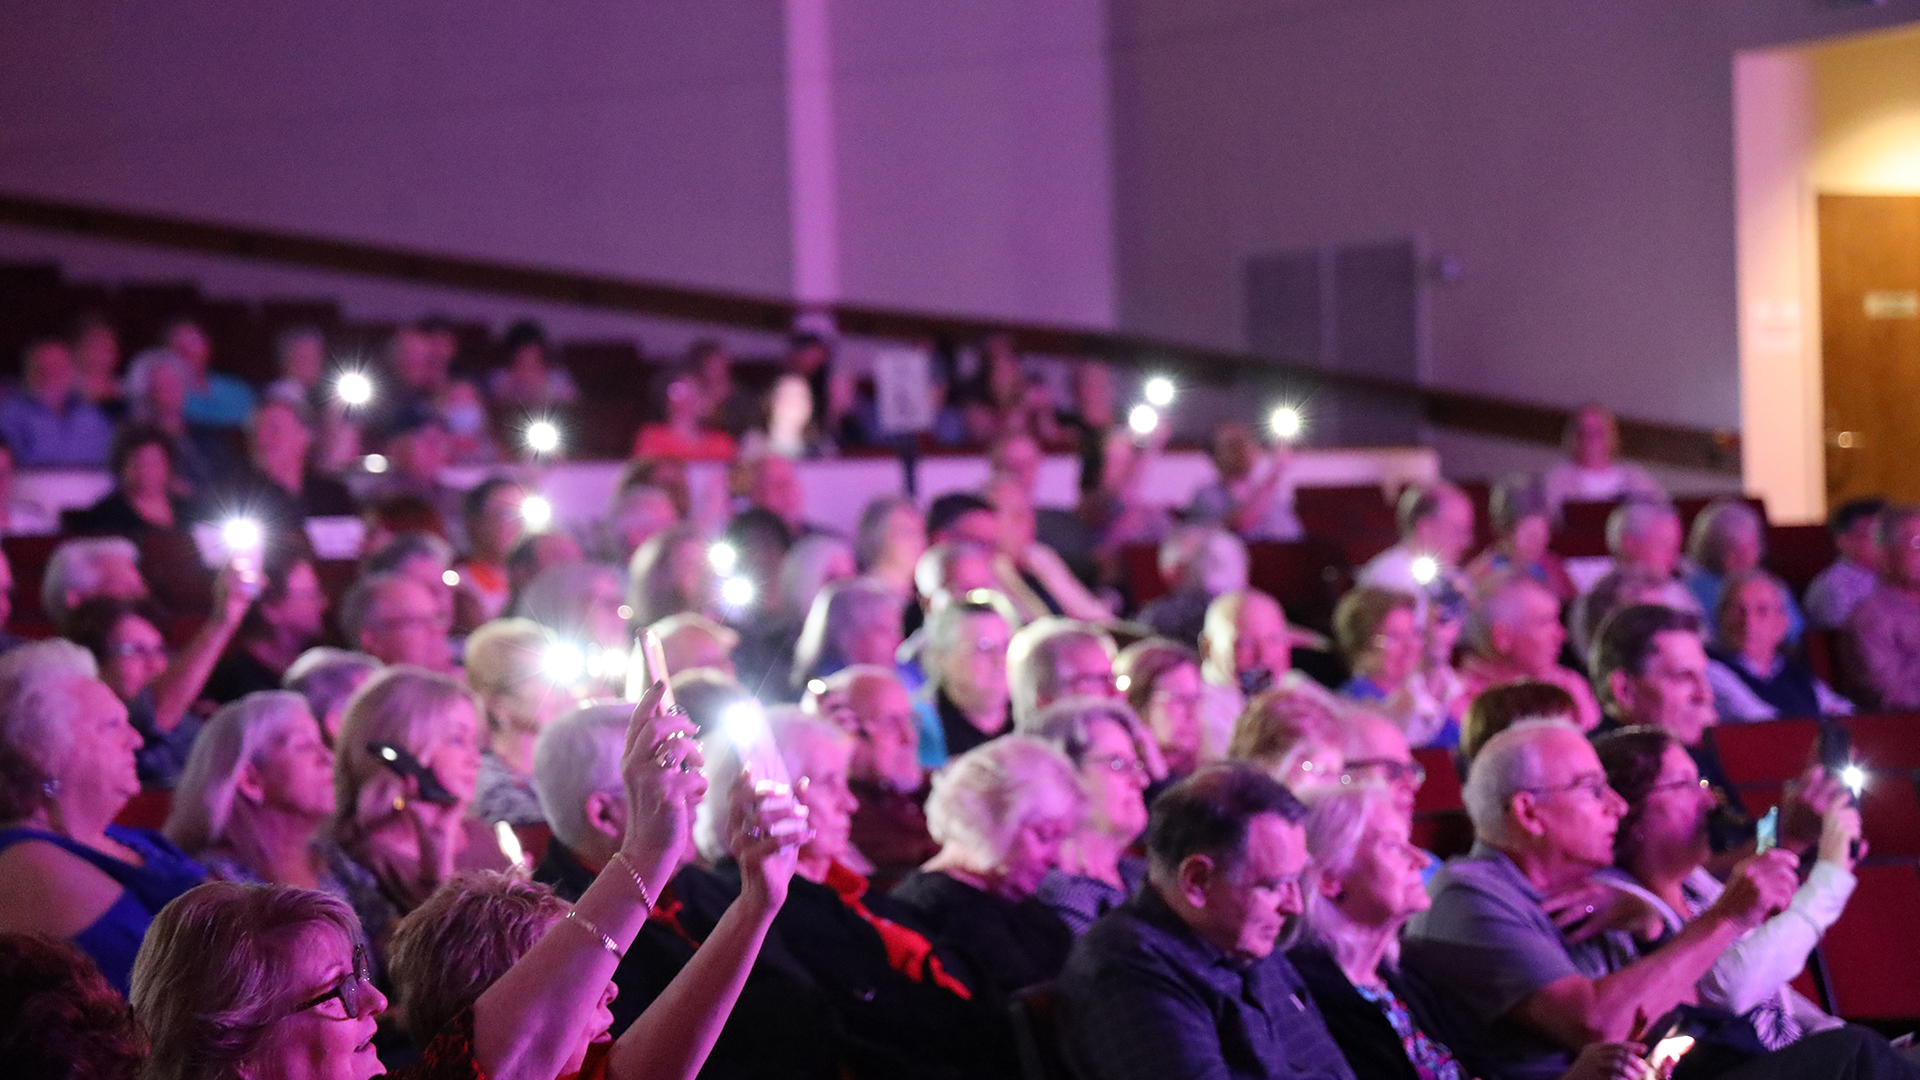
(646, 898)
(573, 915)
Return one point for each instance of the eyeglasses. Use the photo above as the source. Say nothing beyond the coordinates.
(1388, 769)
(1702, 784)
(348, 989)
(1595, 787)
(1118, 764)
(1093, 682)
(128, 650)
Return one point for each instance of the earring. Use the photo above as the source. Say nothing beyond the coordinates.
(50, 789)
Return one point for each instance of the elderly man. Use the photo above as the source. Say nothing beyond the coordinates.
(1057, 658)
(890, 825)
(1253, 494)
(82, 569)
(1183, 979)
(1644, 537)
(1883, 633)
(50, 423)
(1198, 563)
(965, 700)
(691, 640)
(396, 620)
(1436, 530)
(1517, 999)
(1245, 647)
(1516, 636)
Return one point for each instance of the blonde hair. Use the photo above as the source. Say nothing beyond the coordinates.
(983, 797)
(473, 928)
(1279, 726)
(404, 705)
(1336, 824)
(237, 735)
(215, 974)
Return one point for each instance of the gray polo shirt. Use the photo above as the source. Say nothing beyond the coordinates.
(1487, 945)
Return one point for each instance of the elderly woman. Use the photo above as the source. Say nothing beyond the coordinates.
(255, 791)
(1522, 526)
(1002, 813)
(288, 991)
(146, 496)
(327, 678)
(1380, 637)
(1294, 737)
(1161, 679)
(509, 670)
(1104, 740)
(967, 699)
(670, 573)
(851, 622)
(158, 688)
(1661, 843)
(901, 1012)
(889, 542)
(1752, 676)
(1364, 884)
(396, 846)
(1729, 538)
(289, 616)
(66, 769)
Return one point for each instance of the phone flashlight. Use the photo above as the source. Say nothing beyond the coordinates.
(745, 725)
(564, 662)
(1159, 391)
(1424, 569)
(723, 558)
(536, 512)
(1143, 419)
(353, 388)
(1854, 778)
(543, 436)
(736, 592)
(1287, 422)
(244, 540)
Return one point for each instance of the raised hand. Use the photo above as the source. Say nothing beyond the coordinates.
(1840, 842)
(766, 828)
(1804, 805)
(1759, 887)
(660, 768)
(1610, 1061)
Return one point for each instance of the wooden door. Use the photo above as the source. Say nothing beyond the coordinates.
(1870, 344)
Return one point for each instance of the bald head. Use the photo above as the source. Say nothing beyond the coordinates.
(1245, 632)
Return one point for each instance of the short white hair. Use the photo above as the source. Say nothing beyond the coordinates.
(983, 797)
(1636, 517)
(788, 726)
(37, 708)
(576, 756)
(237, 735)
(76, 566)
(1336, 823)
(1508, 764)
(1032, 656)
(327, 676)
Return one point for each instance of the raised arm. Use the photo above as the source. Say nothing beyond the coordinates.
(178, 687)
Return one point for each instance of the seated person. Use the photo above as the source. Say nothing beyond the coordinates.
(638, 512)
(494, 523)
(1591, 472)
(1499, 708)
(1032, 574)
(157, 687)
(1662, 845)
(683, 435)
(770, 482)
(48, 423)
(215, 399)
(856, 621)
(1383, 647)
(1116, 511)
(1837, 590)
(257, 787)
(1185, 978)
(286, 620)
(396, 620)
(96, 361)
(889, 829)
(1293, 737)
(327, 677)
(812, 563)
(669, 574)
(417, 451)
(146, 495)
(1752, 675)
(889, 542)
(1729, 538)
(1162, 678)
(1522, 527)
(1882, 640)
(1516, 998)
(690, 640)
(276, 487)
(59, 1018)
(508, 671)
(1001, 813)
(300, 355)
(1644, 539)
(1058, 658)
(1197, 563)
(579, 603)
(1650, 669)
(157, 384)
(67, 756)
(966, 700)
(1104, 740)
(530, 380)
(1246, 647)
(779, 1027)
(1515, 636)
(1253, 493)
(962, 517)
(1365, 884)
(107, 566)
(1436, 532)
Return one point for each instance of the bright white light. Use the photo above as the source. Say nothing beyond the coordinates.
(1122, 682)
(509, 842)
(452, 578)
(606, 664)
(353, 388)
(1143, 419)
(624, 612)
(241, 535)
(1425, 568)
(745, 723)
(816, 687)
(564, 662)
(374, 463)
(1854, 777)
(1287, 422)
(736, 592)
(722, 558)
(543, 437)
(536, 512)
(1159, 391)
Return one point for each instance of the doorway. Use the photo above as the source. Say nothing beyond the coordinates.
(1870, 344)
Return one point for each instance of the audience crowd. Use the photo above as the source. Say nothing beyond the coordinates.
(732, 795)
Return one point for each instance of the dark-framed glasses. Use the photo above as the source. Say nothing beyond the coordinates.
(347, 989)
(1389, 770)
(1130, 766)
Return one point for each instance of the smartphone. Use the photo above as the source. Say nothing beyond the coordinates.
(1836, 747)
(404, 764)
(1668, 1052)
(647, 665)
(1766, 833)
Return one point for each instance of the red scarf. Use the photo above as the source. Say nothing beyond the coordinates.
(908, 952)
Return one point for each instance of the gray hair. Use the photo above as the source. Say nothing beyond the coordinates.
(576, 756)
(930, 574)
(983, 797)
(559, 596)
(405, 548)
(327, 676)
(1067, 724)
(1498, 604)
(76, 566)
(836, 612)
(37, 709)
(1336, 823)
(1033, 653)
(870, 537)
(1714, 528)
(789, 728)
(1636, 518)
(236, 736)
(1507, 765)
(358, 603)
(803, 570)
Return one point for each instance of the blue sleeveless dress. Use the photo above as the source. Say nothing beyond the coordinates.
(114, 938)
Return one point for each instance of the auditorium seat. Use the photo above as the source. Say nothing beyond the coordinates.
(1583, 530)
(1440, 823)
(1036, 1033)
(1771, 750)
(1869, 953)
(147, 810)
(1356, 517)
(1306, 576)
(1797, 554)
(1140, 563)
